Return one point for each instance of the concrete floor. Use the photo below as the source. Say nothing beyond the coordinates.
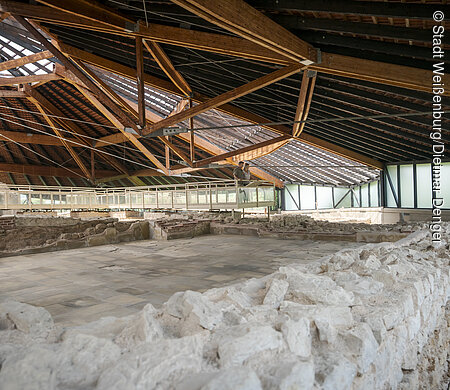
(82, 285)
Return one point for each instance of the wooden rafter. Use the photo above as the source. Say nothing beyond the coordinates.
(260, 152)
(12, 93)
(11, 64)
(226, 97)
(35, 78)
(175, 149)
(69, 148)
(36, 139)
(127, 104)
(407, 77)
(91, 18)
(233, 153)
(72, 127)
(73, 67)
(133, 138)
(140, 81)
(242, 19)
(191, 134)
(130, 107)
(378, 72)
(167, 67)
(304, 101)
(43, 170)
(234, 111)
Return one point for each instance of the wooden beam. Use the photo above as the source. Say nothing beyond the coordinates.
(4, 15)
(301, 102)
(73, 67)
(120, 126)
(72, 127)
(226, 155)
(93, 19)
(35, 78)
(11, 64)
(126, 104)
(167, 67)
(175, 149)
(141, 172)
(43, 170)
(36, 139)
(12, 94)
(223, 44)
(191, 134)
(140, 81)
(69, 148)
(304, 101)
(92, 165)
(260, 152)
(378, 72)
(374, 71)
(242, 19)
(226, 97)
(361, 8)
(226, 108)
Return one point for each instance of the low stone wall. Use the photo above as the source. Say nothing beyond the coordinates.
(373, 318)
(7, 222)
(375, 215)
(24, 235)
(257, 231)
(172, 229)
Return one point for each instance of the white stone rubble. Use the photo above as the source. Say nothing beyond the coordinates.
(367, 318)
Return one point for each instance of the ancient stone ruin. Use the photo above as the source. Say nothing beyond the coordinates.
(374, 317)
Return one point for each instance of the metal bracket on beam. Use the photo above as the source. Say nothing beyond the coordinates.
(318, 56)
(131, 27)
(307, 62)
(165, 131)
(130, 130)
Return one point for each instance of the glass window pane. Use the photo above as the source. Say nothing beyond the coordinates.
(338, 194)
(365, 195)
(423, 174)
(406, 186)
(392, 169)
(307, 197)
(291, 196)
(324, 197)
(356, 199)
(374, 202)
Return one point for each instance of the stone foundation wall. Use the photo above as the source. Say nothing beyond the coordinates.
(373, 318)
(24, 235)
(7, 222)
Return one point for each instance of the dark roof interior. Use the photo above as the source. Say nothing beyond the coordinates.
(394, 33)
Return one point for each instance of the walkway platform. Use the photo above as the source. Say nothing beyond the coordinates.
(210, 195)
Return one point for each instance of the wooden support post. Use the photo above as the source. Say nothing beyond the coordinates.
(167, 153)
(304, 101)
(140, 81)
(192, 135)
(92, 166)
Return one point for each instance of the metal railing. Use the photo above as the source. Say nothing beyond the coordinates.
(212, 195)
